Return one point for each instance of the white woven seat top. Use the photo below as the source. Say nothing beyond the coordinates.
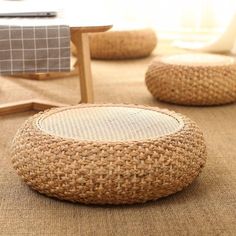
(104, 123)
(198, 59)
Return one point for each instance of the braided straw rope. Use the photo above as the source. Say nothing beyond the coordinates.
(127, 44)
(204, 80)
(97, 170)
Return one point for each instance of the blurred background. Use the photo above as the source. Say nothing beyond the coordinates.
(182, 19)
(172, 19)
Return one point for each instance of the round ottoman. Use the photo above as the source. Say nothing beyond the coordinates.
(122, 44)
(193, 79)
(108, 154)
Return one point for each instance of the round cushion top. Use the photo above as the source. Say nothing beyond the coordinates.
(198, 60)
(107, 123)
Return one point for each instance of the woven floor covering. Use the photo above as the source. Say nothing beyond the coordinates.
(206, 207)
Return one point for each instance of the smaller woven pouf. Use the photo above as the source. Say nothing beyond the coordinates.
(108, 154)
(193, 79)
(122, 44)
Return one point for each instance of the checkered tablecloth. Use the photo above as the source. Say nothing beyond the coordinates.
(34, 49)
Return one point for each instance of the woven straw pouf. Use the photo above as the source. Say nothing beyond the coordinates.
(108, 154)
(193, 79)
(123, 44)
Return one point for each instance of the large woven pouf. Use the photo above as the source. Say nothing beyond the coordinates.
(193, 79)
(108, 154)
(123, 44)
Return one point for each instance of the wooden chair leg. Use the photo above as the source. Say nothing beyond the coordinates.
(81, 42)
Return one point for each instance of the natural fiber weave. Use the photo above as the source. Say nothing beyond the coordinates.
(193, 79)
(108, 172)
(109, 124)
(127, 44)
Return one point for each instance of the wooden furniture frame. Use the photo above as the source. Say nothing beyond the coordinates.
(80, 38)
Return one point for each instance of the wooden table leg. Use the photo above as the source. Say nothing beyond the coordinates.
(15, 107)
(81, 42)
(28, 105)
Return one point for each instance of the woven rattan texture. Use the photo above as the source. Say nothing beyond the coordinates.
(108, 172)
(122, 44)
(109, 123)
(192, 85)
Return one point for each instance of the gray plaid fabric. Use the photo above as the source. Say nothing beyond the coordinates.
(34, 49)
